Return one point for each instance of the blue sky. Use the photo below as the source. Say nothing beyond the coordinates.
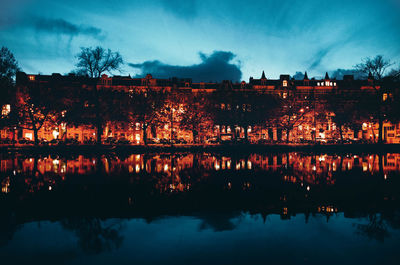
(280, 37)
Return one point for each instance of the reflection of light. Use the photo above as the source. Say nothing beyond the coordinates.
(228, 164)
(137, 168)
(166, 167)
(308, 188)
(137, 157)
(216, 165)
(385, 176)
(249, 164)
(314, 168)
(365, 166)
(50, 188)
(56, 162)
(237, 166)
(137, 137)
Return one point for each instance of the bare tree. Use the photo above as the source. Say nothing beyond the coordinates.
(8, 69)
(376, 67)
(96, 61)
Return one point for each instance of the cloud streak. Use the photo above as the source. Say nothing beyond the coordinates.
(215, 67)
(61, 26)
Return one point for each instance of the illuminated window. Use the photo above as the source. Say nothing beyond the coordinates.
(6, 110)
(318, 84)
(285, 83)
(32, 77)
(334, 84)
(29, 136)
(326, 83)
(385, 96)
(284, 95)
(331, 84)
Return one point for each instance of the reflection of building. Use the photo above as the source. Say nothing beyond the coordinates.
(309, 93)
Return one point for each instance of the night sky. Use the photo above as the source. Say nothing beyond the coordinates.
(208, 40)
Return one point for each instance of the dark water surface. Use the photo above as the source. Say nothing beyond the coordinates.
(200, 208)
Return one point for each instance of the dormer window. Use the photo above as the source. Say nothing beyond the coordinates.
(318, 84)
(284, 83)
(327, 83)
(334, 84)
(32, 78)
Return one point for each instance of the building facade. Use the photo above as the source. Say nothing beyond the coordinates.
(303, 115)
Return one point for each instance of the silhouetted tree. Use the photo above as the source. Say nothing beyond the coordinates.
(95, 62)
(35, 106)
(346, 111)
(145, 106)
(8, 69)
(290, 113)
(196, 115)
(376, 67)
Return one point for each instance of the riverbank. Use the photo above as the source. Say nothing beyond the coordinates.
(237, 148)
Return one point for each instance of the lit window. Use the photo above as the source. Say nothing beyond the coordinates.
(284, 95)
(32, 77)
(285, 83)
(326, 83)
(331, 83)
(318, 84)
(385, 96)
(6, 110)
(334, 84)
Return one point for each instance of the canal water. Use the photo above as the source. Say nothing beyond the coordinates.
(200, 208)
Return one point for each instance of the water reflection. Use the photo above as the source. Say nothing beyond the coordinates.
(93, 197)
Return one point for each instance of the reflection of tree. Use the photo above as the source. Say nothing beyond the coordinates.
(218, 222)
(94, 235)
(8, 227)
(375, 229)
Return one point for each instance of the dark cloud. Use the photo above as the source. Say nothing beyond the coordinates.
(215, 67)
(319, 56)
(298, 75)
(339, 73)
(61, 26)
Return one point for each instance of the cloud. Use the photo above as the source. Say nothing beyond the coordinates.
(61, 26)
(319, 56)
(215, 67)
(298, 75)
(339, 73)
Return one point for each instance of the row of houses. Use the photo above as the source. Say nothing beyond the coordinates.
(312, 91)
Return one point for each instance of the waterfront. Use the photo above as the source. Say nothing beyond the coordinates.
(197, 208)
